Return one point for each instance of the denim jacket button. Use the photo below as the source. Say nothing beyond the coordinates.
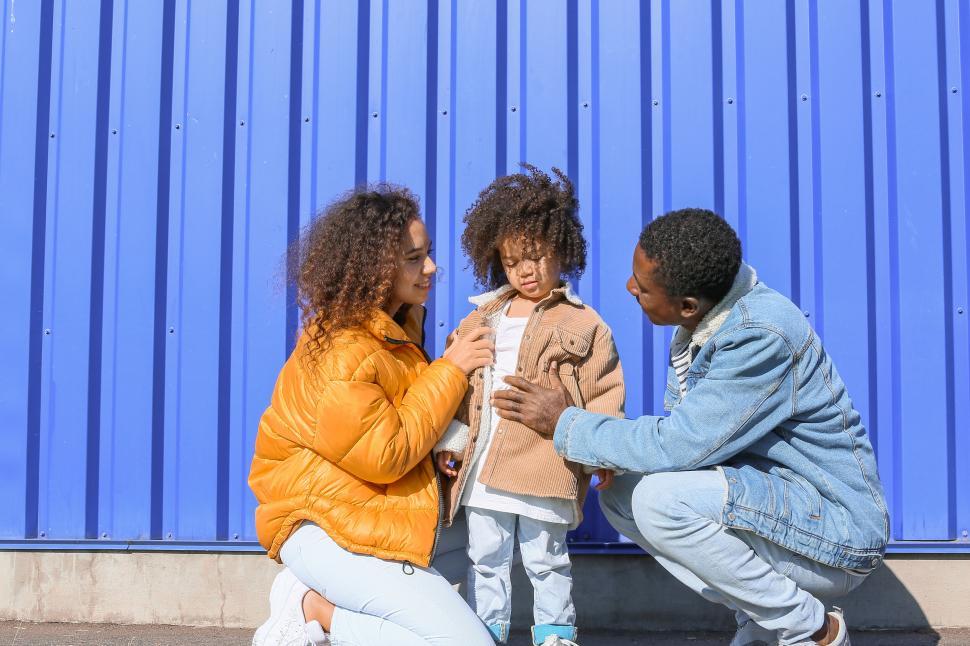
(731, 516)
(734, 480)
(875, 562)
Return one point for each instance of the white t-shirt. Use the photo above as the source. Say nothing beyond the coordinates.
(508, 338)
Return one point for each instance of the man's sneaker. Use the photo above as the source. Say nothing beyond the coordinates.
(751, 634)
(286, 625)
(837, 633)
(556, 640)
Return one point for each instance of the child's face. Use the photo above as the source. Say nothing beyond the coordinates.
(531, 269)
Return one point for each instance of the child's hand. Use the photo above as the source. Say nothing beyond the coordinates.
(605, 477)
(443, 462)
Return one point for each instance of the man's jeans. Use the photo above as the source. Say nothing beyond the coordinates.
(676, 518)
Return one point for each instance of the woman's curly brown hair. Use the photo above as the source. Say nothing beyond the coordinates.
(345, 261)
(527, 205)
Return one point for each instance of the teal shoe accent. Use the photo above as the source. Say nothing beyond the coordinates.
(500, 632)
(541, 631)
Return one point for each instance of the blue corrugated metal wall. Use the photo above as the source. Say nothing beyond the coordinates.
(156, 158)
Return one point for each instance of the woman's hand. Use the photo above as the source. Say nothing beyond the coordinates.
(443, 461)
(472, 351)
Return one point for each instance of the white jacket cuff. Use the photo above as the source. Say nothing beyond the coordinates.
(455, 438)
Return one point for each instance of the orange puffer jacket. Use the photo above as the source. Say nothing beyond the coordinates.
(346, 443)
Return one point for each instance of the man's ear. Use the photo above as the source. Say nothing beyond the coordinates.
(689, 307)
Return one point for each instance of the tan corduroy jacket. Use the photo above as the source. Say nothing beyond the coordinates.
(560, 329)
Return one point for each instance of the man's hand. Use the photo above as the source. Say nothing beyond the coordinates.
(605, 477)
(537, 407)
(443, 461)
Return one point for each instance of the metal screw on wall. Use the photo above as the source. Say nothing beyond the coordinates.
(730, 101)
(804, 97)
(878, 94)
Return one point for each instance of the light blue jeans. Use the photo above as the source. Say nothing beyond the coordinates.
(676, 518)
(381, 603)
(491, 541)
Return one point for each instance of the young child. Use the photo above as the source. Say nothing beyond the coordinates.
(523, 237)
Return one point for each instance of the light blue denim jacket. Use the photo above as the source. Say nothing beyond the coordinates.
(765, 404)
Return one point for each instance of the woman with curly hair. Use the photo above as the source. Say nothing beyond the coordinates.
(349, 499)
(523, 239)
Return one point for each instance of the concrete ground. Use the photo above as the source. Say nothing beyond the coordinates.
(13, 633)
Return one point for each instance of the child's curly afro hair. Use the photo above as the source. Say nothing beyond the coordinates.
(530, 206)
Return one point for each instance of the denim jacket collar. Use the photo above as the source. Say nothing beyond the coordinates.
(744, 282)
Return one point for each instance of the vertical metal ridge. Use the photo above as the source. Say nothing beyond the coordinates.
(431, 151)
(225, 269)
(665, 106)
(3, 58)
(717, 107)
(382, 174)
(646, 177)
(293, 163)
(363, 70)
(37, 261)
(794, 214)
(742, 146)
(95, 332)
(572, 88)
(501, 86)
(891, 172)
(452, 146)
(596, 206)
(816, 100)
(873, 355)
(161, 268)
(944, 135)
(523, 82)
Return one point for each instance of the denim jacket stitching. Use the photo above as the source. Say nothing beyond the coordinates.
(751, 411)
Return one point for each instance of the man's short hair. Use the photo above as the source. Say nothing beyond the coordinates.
(697, 253)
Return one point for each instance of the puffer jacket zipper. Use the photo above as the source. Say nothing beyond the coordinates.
(441, 515)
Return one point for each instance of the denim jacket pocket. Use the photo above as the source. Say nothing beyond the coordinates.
(803, 499)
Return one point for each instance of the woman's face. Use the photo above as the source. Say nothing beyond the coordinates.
(415, 268)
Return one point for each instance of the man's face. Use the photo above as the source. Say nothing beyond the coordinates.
(651, 295)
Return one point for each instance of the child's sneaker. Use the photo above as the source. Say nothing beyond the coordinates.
(286, 625)
(556, 640)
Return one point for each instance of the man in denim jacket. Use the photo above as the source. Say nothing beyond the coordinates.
(759, 490)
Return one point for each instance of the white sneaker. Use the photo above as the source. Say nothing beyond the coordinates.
(286, 625)
(751, 634)
(556, 640)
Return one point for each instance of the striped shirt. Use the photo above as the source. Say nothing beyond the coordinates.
(680, 359)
